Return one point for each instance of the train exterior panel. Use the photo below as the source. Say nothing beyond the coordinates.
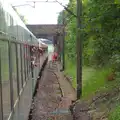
(17, 74)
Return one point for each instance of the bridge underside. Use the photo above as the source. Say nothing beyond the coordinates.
(52, 32)
(46, 31)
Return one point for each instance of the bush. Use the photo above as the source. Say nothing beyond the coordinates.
(115, 62)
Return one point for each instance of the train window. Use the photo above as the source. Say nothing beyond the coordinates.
(0, 16)
(18, 38)
(23, 38)
(10, 29)
(6, 19)
(14, 28)
(23, 57)
(7, 15)
(8, 23)
(5, 79)
(2, 19)
(28, 59)
(19, 33)
(19, 67)
(14, 72)
(24, 61)
(22, 64)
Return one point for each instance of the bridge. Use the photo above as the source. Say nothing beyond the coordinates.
(49, 31)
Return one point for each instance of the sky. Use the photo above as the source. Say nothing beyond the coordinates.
(43, 13)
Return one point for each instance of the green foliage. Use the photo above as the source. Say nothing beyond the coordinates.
(101, 38)
(103, 27)
(101, 45)
(94, 80)
(60, 18)
(70, 69)
(115, 62)
(115, 115)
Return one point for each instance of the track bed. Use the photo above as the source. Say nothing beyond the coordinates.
(49, 99)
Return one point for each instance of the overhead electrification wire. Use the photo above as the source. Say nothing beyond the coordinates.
(69, 11)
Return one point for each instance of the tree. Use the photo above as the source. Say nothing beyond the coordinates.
(101, 23)
(60, 18)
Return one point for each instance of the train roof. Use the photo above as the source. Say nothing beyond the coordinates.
(46, 41)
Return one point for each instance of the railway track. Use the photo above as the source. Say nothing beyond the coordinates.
(49, 102)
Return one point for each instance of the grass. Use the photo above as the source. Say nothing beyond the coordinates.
(115, 114)
(93, 79)
(70, 69)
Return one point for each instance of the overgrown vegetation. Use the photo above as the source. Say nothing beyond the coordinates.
(101, 43)
(115, 115)
(101, 38)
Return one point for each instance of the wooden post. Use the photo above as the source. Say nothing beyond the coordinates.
(63, 43)
(79, 49)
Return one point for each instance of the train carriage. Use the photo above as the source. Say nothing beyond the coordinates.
(17, 82)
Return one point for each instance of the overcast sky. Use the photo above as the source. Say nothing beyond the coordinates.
(43, 13)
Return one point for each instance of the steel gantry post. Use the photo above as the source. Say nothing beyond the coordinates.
(79, 49)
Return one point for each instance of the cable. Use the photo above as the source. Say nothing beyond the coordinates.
(69, 11)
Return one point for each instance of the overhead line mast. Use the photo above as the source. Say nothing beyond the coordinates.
(79, 49)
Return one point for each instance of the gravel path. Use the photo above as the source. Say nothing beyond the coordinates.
(49, 98)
